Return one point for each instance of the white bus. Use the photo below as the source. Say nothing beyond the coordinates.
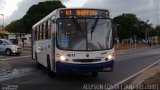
(74, 40)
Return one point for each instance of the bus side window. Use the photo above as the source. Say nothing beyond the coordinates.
(49, 29)
(46, 30)
(38, 33)
(35, 33)
(42, 28)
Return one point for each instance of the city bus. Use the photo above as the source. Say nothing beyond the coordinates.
(72, 40)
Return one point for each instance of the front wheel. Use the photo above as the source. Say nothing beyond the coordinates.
(51, 74)
(17, 54)
(8, 52)
(38, 65)
(94, 74)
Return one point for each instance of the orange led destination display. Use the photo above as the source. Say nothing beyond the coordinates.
(68, 12)
(84, 13)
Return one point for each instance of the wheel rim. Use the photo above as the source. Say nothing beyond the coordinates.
(8, 52)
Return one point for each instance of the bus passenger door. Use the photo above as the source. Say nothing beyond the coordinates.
(53, 50)
(53, 41)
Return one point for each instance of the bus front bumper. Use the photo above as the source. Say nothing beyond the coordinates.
(62, 67)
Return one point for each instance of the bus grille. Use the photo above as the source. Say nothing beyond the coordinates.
(86, 60)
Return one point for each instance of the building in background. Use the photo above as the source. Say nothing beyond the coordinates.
(26, 38)
(3, 33)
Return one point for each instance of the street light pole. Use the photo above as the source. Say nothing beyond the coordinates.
(3, 25)
(147, 32)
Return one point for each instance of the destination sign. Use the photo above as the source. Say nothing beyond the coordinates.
(84, 13)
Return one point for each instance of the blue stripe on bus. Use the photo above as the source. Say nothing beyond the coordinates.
(62, 67)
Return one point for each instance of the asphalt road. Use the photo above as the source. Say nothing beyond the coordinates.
(24, 75)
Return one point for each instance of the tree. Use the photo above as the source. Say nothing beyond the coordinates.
(156, 31)
(141, 29)
(126, 25)
(18, 28)
(129, 26)
(39, 11)
(34, 14)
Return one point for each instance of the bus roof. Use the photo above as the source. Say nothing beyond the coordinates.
(53, 13)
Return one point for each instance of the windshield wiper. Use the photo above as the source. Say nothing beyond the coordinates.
(94, 26)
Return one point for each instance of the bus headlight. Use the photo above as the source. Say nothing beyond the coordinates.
(110, 57)
(62, 58)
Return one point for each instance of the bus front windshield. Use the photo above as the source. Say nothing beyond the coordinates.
(84, 34)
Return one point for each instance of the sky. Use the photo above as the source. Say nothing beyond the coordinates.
(144, 9)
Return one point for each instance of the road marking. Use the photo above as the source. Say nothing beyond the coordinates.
(15, 57)
(126, 79)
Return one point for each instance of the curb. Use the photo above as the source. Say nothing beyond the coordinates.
(134, 50)
(150, 72)
(132, 79)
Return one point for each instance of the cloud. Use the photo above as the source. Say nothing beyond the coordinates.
(23, 7)
(2, 3)
(144, 9)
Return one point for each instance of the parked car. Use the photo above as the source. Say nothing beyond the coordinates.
(14, 41)
(8, 48)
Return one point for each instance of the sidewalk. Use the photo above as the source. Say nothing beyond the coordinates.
(148, 76)
(123, 49)
(149, 79)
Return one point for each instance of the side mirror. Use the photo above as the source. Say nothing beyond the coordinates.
(114, 30)
(54, 19)
(53, 35)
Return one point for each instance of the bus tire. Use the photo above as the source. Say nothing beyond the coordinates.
(94, 74)
(39, 66)
(18, 54)
(51, 74)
